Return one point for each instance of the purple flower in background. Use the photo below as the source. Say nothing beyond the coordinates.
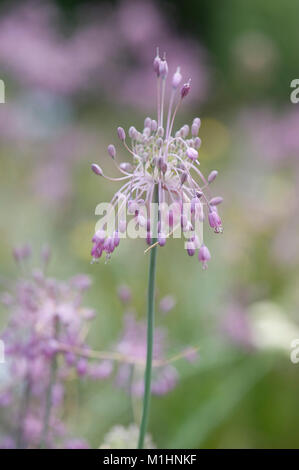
(133, 345)
(142, 25)
(96, 54)
(46, 327)
(35, 53)
(163, 169)
(274, 136)
(236, 326)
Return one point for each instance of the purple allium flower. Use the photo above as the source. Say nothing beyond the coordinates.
(46, 322)
(36, 53)
(163, 159)
(132, 344)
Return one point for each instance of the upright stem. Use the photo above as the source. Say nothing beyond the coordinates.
(150, 337)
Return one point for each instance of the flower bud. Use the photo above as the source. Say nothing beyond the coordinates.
(116, 239)
(212, 176)
(160, 131)
(133, 132)
(161, 239)
(184, 131)
(122, 225)
(111, 151)
(214, 219)
(97, 169)
(163, 68)
(156, 64)
(177, 78)
(159, 142)
(197, 142)
(125, 166)
(204, 255)
(185, 89)
(215, 201)
(192, 153)
(190, 248)
(147, 122)
(197, 122)
(154, 125)
(194, 130)
(99, 236)
(121, 134)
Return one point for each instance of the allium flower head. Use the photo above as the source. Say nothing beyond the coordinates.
(47, 322)
(163, 169)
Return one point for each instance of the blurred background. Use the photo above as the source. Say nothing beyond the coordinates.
(74, 71)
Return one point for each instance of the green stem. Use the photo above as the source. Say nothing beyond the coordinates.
(150, 337)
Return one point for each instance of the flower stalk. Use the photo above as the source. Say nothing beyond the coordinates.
(150, 337)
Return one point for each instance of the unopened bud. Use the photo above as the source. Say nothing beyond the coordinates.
(197, 122)
(97, 169)
(212, 176)
(185, 89)
(163, 68)
(215, 201)
(160, 131)
(133, 132)
(159, 142)
(190, 248)
(156, 63)
(192, 153)
(204, 255)
(126, 167)
(161, 239)
(147, 122)
(184, 131)
(121, 134)
(111, 150)
(194, 130)
(177, 78)
(197, 142)
(154, 125)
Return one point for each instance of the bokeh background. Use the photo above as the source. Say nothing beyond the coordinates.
(74, 71)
